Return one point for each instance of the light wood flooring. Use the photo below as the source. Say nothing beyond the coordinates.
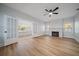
(42, 46)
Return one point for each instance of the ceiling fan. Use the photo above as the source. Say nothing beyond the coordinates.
(50, 12)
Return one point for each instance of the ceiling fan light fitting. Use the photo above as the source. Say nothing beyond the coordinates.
(50, 13)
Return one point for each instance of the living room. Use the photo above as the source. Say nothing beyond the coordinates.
(34, 27)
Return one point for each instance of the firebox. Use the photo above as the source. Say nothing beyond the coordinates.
(55, 33)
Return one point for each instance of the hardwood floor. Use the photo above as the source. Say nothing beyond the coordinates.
(42, 46)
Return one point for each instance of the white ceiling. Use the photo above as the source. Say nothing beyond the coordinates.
(37, 9)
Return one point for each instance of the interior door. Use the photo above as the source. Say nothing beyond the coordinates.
(10, 30)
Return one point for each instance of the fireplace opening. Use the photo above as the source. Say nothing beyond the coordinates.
(55, 34)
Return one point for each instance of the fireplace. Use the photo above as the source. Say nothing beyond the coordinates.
(55, 33)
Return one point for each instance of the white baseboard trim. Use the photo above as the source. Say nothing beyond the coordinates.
(76, 38)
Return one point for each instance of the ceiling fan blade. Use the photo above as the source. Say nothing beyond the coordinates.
(55, 13)
(46, 10)
(50, 10)
(55, 9)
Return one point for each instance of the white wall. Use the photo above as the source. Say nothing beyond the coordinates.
(47, 31)
(28, 30)
(54, 25)
(38, 29)
(11, 12)
(4, 10)
(74, 31)
(76, 26)
(68, 32)
(1, 32)
(58, 25)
